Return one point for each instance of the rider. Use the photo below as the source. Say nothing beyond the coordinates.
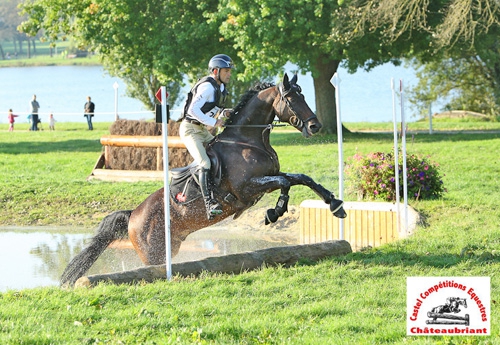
(205, 102)
(454, 303)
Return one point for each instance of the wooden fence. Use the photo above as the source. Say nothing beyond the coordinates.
(368, 224)
(103, 171)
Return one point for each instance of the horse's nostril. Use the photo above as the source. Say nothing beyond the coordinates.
(315, 127)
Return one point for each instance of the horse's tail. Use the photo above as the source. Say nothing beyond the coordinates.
(114, 226)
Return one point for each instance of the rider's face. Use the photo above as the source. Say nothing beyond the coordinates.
(225, 75)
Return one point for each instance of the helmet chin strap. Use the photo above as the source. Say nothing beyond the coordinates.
(217, 75)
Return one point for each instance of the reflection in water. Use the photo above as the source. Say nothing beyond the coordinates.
(33, 258)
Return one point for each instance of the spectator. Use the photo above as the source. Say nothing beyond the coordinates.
(34, 106)
(52, 122)
(89, 112)
(11, 117)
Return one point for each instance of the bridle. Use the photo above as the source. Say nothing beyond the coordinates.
(294, 120)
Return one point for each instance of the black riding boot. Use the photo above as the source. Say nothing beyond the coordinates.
(212, 206)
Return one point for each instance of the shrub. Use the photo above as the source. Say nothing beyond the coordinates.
(372, 177)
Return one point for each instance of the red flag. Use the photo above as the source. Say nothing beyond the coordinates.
(158, 94)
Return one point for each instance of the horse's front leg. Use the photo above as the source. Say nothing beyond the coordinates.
(268, 184)
(327, 196)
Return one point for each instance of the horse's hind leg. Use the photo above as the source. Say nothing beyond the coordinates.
(114, 226)
(146, 230)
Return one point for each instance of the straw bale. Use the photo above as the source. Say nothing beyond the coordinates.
(140, 158)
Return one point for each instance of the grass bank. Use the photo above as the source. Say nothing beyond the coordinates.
(45, 56)
(44, 60)
(355, 299)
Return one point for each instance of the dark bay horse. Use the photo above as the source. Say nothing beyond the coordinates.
(249, 168)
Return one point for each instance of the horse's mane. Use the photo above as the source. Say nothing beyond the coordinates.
(246, 97)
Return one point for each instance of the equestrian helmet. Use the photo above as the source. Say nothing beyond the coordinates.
(220, 61)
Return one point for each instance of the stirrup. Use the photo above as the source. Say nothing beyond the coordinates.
(213, 208)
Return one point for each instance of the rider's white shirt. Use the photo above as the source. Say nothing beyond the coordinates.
(204, 93)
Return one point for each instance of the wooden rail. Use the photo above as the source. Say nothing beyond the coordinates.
(103, 171)
(141, 141)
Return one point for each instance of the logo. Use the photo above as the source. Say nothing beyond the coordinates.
(448, 306)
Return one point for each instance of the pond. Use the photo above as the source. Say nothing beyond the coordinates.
(62, 90)
(36, 257)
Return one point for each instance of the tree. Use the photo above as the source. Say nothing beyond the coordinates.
(9, 20)
(146, 43)
(464, 33)
(316, 36)
(269, 33)
(461, 81)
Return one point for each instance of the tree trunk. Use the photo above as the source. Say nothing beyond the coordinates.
(496, 76)
(325, 93)
(20, 43)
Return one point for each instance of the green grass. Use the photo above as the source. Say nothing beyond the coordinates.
(354, 299)
(423, 126)
(42, 56)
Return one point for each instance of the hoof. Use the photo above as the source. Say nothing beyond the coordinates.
(336, 205)
(271, 216)
(340, 213)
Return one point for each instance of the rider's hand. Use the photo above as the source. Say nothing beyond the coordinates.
(219, 123)
(227, 113)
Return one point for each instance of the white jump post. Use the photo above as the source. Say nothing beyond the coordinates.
(166, 189)
(396, 154)
(430, 118)
(335, 81)
(403, 149)
(116, 86)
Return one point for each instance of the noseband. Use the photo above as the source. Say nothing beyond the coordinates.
(294, 120)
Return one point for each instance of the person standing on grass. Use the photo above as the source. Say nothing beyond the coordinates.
(52, 122)
(89, 112)
(11, 117)
(34, 106)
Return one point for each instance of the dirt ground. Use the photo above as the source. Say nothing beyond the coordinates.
(252, 220)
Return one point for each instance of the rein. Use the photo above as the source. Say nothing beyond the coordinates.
(270, 126)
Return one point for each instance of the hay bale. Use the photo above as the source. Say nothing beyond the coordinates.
(141, 158)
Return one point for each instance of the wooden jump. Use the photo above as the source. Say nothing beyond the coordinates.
(102, 170)
(141, 141)
(447, 319)
(368, 224)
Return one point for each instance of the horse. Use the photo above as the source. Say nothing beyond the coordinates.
(247, 168)
(452, 306)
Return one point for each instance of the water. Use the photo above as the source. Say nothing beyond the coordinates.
(36, 257)
(62, 90)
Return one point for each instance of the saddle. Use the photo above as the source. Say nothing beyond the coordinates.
(184, 185)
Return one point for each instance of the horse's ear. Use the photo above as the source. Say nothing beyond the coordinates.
(294, 79)
(286, 82)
